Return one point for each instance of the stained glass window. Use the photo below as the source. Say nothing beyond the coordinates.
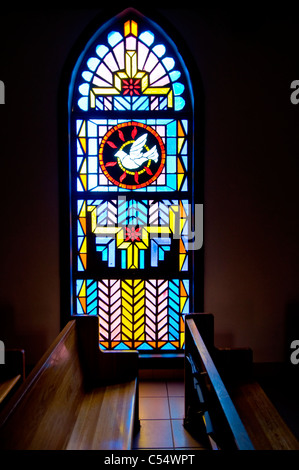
(131, 165)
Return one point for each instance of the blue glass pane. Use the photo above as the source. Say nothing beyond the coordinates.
(92, 63)
(147, 37)
(179, 103)
(114, 38)
(102, 50)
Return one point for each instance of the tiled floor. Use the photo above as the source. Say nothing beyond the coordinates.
(161, 412)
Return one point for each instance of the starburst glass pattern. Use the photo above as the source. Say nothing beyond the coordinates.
(131, 71)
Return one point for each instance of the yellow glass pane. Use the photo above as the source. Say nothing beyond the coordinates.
(181, 141)
(182, 223)
(130, 256)
(170, 99)
(83, 179)
(82, 292)
(105, 230)
(172, 214)
(127, 320)
(131, 63)
(139, 315)
(157, 91)
(83, 210)
(127, 332)
(144, 83)
(182, 340)
(127, 286)
(117, 82)
(180, 178)
(181, 260)
(182, 303)
(104, 91)
(138, 296)
(139, 289)
(134, 28)
(140, 74)
(122, 75)
(83, 248)
(140, 334)
(127, 298)
(127, 28)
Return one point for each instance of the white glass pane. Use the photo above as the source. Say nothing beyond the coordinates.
(159, 50)
(142, 54)
(120, 55)
(152, 60)
(158, 72)
(91, 129)
(168, 62)
(162, 82)
(131, 43)
(99, 82)
(104, 73)
(110, 62)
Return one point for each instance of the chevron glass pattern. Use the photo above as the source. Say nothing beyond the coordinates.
(137, 314)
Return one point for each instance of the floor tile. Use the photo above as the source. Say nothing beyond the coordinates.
(152, 389)
(154, 434)
(182, 437)
(176, 388)
(153, 408)
(177, 407)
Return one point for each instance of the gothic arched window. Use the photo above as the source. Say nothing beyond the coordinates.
(131, 167)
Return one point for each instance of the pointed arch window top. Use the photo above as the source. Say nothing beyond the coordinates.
(131, 70)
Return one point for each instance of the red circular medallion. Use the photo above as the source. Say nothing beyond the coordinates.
(132, 155)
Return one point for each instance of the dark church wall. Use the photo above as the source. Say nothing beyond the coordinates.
(248, 59)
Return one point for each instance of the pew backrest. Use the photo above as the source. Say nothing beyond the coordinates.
(56, 408)
(43, 410)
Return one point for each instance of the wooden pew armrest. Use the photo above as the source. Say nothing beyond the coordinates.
(7, 386)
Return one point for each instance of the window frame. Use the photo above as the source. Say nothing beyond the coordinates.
(195, 117)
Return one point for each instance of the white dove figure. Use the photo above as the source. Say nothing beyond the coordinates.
(136, 157)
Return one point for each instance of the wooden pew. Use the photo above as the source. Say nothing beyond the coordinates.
(77, 396)
(233, 408)
(12, 374)
(207, 402)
